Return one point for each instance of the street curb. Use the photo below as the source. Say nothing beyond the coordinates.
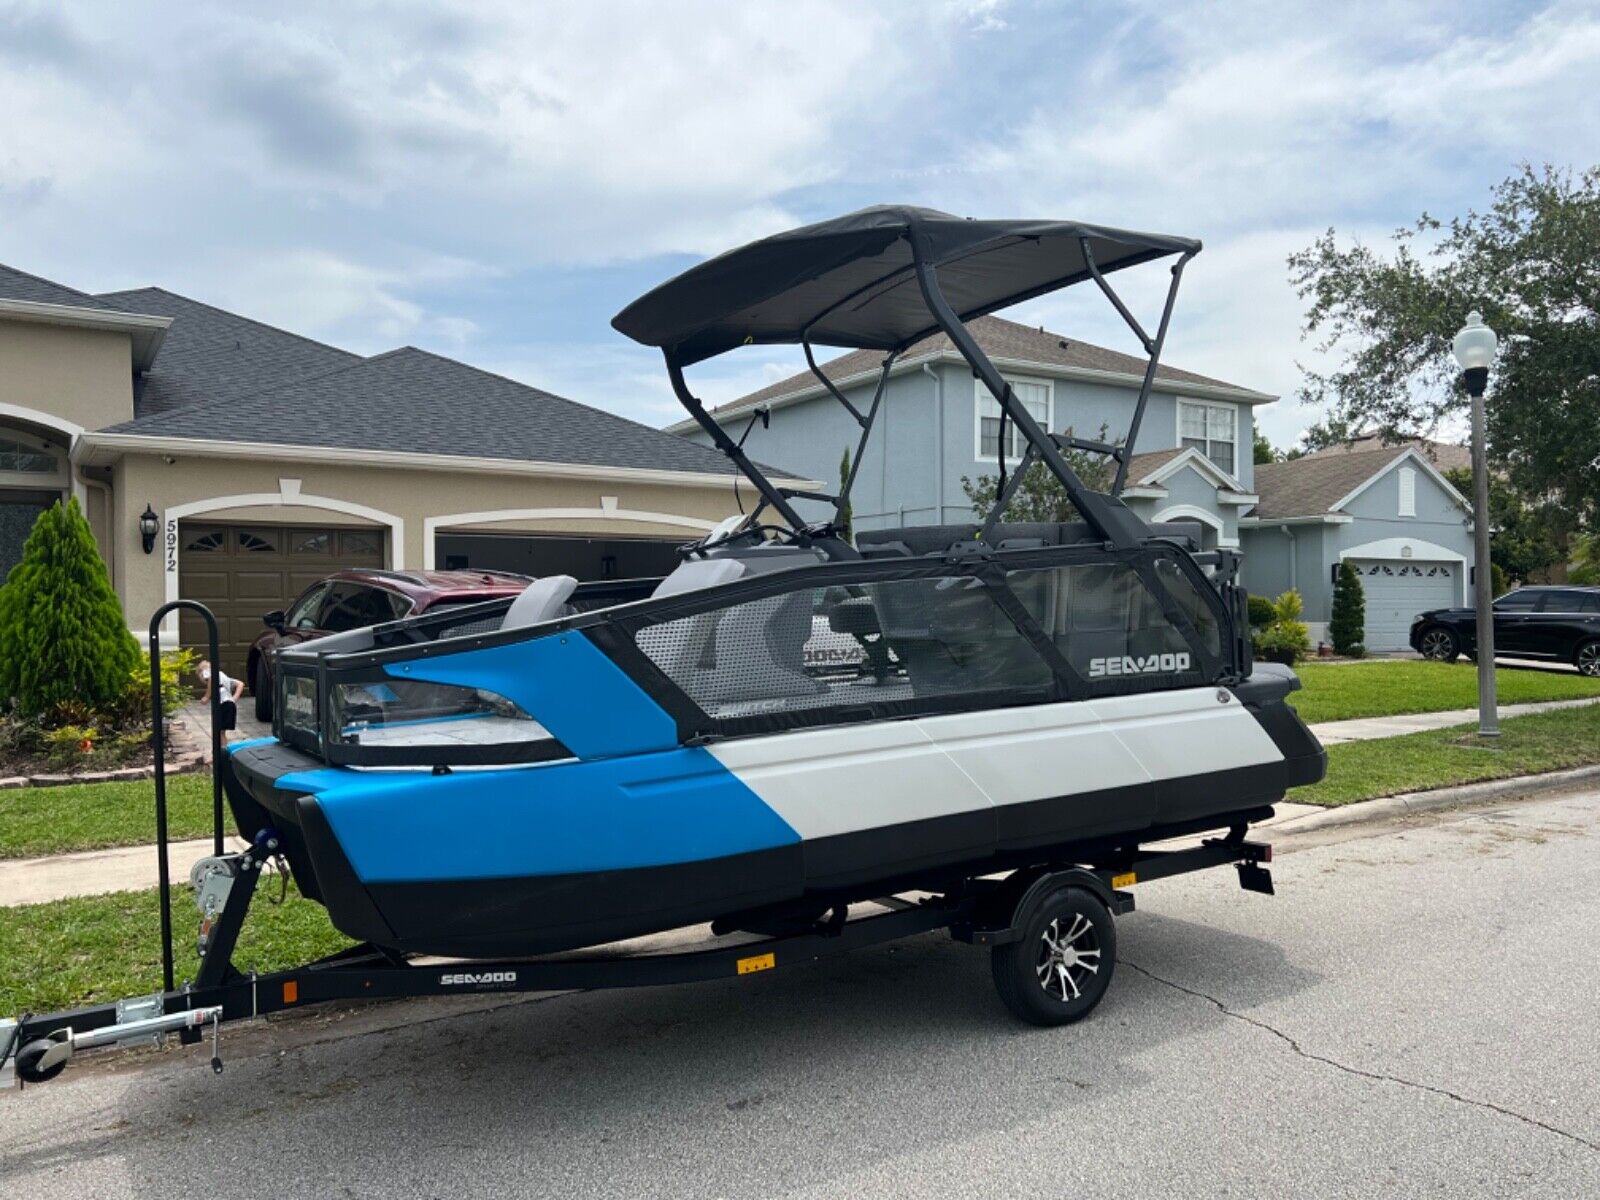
(1408, 803)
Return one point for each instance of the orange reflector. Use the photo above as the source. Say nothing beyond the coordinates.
(1126, 879)
(757, 962)
(291, 991)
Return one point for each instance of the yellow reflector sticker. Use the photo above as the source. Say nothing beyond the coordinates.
(757, 962)
(1127, 879)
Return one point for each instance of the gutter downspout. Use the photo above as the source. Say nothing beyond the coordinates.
(938, 442)
(1294, 558)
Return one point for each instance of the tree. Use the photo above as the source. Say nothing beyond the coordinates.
(62, 634)
(1586, 560)
(845, 515)
(1040, 496)
(1348, 627)
(1529, 264)
(1525, 539)
(1264, 453)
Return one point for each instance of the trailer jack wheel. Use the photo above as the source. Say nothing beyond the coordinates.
(31, 1055)
(1061, 966)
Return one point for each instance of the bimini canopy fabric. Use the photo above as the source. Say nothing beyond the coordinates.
(851, 282)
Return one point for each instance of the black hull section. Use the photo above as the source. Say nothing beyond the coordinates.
(504, 917)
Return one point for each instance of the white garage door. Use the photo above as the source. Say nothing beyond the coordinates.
(1397, 591)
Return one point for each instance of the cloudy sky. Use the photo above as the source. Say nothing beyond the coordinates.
(494, 184)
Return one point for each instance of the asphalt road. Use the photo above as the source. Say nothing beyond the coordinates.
(1414, 1014)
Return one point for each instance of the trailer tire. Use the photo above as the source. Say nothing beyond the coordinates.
(1061, 966)
(28, 1063)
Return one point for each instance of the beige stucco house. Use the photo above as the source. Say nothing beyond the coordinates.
(270, 459)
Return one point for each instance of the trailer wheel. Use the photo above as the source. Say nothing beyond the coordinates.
(1062, 965)
(28, 1063)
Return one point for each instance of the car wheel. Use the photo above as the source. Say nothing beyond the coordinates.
(261, 685)
(1440, 645)
(1587, 659)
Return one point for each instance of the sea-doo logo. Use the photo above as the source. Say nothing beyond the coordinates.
(484, 979)
(1155, 664)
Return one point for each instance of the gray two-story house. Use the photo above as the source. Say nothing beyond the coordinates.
(938, 424)
(1386, 509)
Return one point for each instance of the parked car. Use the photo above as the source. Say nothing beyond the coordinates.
(1561, 623)
(358, 597)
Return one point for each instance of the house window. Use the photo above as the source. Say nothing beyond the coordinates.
(1211, 429)
(14, 456)
(1408, 492)
(1034, 396)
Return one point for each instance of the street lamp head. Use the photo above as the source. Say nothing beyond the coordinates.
(1475, 344)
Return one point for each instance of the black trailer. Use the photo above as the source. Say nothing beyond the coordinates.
(1049, 929)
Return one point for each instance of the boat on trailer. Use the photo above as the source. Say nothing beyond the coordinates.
(1028, 705)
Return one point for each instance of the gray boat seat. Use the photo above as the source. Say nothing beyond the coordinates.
(748, 652)
(542, 600)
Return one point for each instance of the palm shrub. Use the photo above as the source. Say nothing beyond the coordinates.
(63, 641)
(1347, 628)
(1286, 639)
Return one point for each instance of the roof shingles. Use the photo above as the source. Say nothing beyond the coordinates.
(413, 402)
(998, 338)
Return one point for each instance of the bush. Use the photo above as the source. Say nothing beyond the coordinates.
(62, 635)
(1286, 639)
(1262, 613)
(1497, 580)
(1348, 625)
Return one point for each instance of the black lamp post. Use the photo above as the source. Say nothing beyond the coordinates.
(1475, 347)
(149, 526)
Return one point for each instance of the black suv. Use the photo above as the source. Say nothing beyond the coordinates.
(1562, 623)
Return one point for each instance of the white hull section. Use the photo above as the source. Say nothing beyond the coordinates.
(826, 782)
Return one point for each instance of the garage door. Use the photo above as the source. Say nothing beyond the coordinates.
(1397, 591)
(584, 558)
(244, 571)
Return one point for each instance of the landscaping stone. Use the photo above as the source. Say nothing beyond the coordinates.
(14, 781)
(50, 780)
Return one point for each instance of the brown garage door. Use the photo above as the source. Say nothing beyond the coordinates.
(244, 571)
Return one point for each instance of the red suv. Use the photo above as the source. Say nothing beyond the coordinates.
(359, 597)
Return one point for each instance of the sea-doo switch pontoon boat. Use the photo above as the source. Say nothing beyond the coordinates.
(554, 772)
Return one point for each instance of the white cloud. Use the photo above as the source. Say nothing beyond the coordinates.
(373, 173)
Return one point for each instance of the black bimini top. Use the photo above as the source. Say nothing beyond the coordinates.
(852, 282)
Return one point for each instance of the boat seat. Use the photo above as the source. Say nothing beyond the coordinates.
(750, 651)
(542, 600)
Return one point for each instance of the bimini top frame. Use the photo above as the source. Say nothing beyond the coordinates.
(883, 279)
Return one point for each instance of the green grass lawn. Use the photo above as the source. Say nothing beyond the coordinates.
(89, 816)
(97, 948)
(1549, 741)
(1341, 691)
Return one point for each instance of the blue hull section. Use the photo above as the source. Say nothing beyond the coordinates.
(648, 810)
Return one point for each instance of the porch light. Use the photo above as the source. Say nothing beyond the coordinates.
(149, 526)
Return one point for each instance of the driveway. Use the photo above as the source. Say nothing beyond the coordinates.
(1413, 1014)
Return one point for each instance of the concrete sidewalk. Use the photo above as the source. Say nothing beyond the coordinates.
(1365, 729)
(96, 872)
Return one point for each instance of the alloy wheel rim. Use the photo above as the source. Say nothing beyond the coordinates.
(1589, 659)
(1068, 957)
(1436, 644)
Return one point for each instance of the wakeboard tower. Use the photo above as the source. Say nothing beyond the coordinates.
(556, 771)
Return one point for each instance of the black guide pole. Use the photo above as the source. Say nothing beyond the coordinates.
(158, 738)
